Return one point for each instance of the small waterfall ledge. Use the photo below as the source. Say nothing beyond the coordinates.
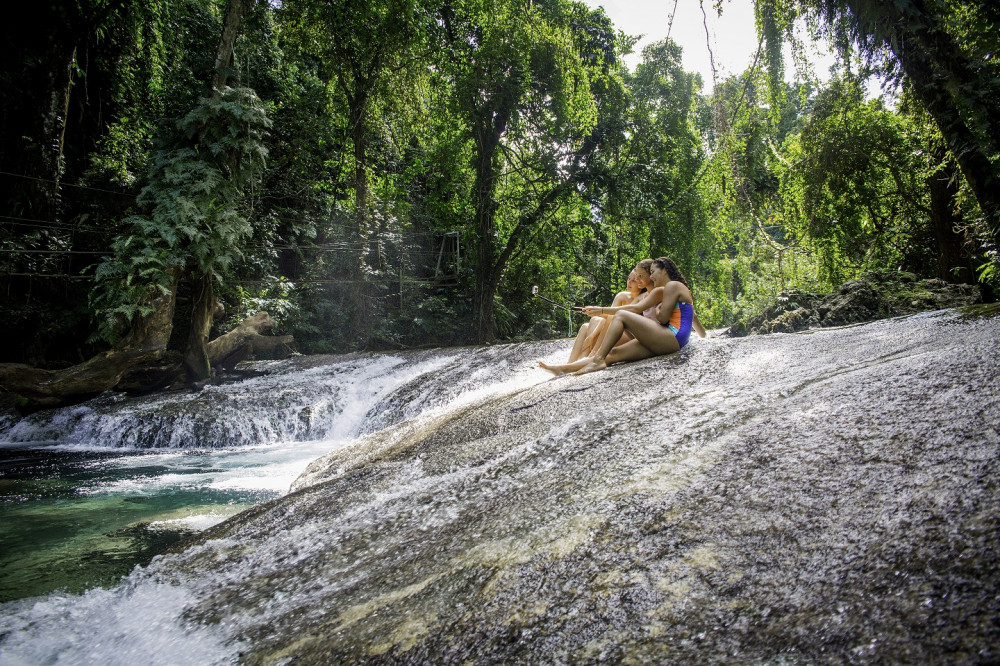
(822, 497)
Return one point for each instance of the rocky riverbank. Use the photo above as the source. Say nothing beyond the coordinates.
(875, 296)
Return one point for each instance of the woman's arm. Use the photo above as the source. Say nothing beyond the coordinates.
(696, 323)
(621, 298)
(649, 300)
(671, 294)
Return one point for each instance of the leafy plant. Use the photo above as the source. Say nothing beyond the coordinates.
(193, 200)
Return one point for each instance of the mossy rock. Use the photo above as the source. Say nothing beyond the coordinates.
(874, 296)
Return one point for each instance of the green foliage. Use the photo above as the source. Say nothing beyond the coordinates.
(161, 62)
(944, 52)
(273, 295)
(512, 127)
(852, 187)
(193, 198)
(666, 158)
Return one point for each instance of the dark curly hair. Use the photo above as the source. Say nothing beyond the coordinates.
(671, 268)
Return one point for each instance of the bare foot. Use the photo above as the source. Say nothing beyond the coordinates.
(593, 366)
(559, 370)
(555, 370)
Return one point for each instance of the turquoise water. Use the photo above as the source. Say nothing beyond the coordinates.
(89, 492)
(73, 520)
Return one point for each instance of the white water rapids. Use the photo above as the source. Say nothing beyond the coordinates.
(113, 480)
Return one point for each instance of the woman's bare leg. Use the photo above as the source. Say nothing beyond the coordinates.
(633, 350)
(655, 337)
(613, 331)
(603, 333)
(580, 344)
(651, 339)
(595, 328)
(566, 367)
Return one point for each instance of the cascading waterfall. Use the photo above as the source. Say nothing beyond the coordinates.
(112, 482)
(823, 497)
(327, 398)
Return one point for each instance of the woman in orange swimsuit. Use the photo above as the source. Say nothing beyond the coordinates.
(663, 327)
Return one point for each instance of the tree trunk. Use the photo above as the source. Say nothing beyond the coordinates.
(224, 353)
(974, 163)
(38, 389)
(138, 364)
(360, 138)
(229, 349)
(935, 65)
(490, 125)
(953, 263)
(359, 291)
(485, 207)
(196, 362)
(63, 119)
(224, 55)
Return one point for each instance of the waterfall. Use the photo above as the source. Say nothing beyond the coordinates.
(117, 479)
(329, 398)
(821, 497)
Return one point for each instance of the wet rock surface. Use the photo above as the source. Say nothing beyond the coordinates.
(876, 296)
(828, 497)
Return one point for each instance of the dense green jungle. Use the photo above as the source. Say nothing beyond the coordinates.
(396, 174)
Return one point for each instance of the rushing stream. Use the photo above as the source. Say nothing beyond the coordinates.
(89, 492)
(829, 496)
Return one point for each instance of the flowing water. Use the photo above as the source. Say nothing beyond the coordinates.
(824, 497)
(89, 492)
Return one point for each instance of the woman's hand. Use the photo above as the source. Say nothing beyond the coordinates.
(593, 310)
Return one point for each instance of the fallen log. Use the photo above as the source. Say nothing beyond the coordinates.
(227, 350)
(140, 366)
(37, 388)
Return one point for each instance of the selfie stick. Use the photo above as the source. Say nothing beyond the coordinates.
(534, 292)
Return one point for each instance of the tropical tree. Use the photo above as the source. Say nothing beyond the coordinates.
(359, 49)
(194, 228)
(83, 90)
(667, 156)
(521, 89)
(853, 189)
(944, 50)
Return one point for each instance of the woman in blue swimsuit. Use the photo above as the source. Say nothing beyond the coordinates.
(661, 323)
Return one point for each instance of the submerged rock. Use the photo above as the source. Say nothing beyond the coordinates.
(875, 296)
(826, 497)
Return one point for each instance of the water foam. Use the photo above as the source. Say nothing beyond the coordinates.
(131, 624)
(334, 404)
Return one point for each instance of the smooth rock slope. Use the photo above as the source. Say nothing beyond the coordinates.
(823, 497)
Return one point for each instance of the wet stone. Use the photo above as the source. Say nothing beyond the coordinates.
(820, 497)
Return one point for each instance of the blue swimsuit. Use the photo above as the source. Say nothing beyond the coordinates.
(680, 322)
